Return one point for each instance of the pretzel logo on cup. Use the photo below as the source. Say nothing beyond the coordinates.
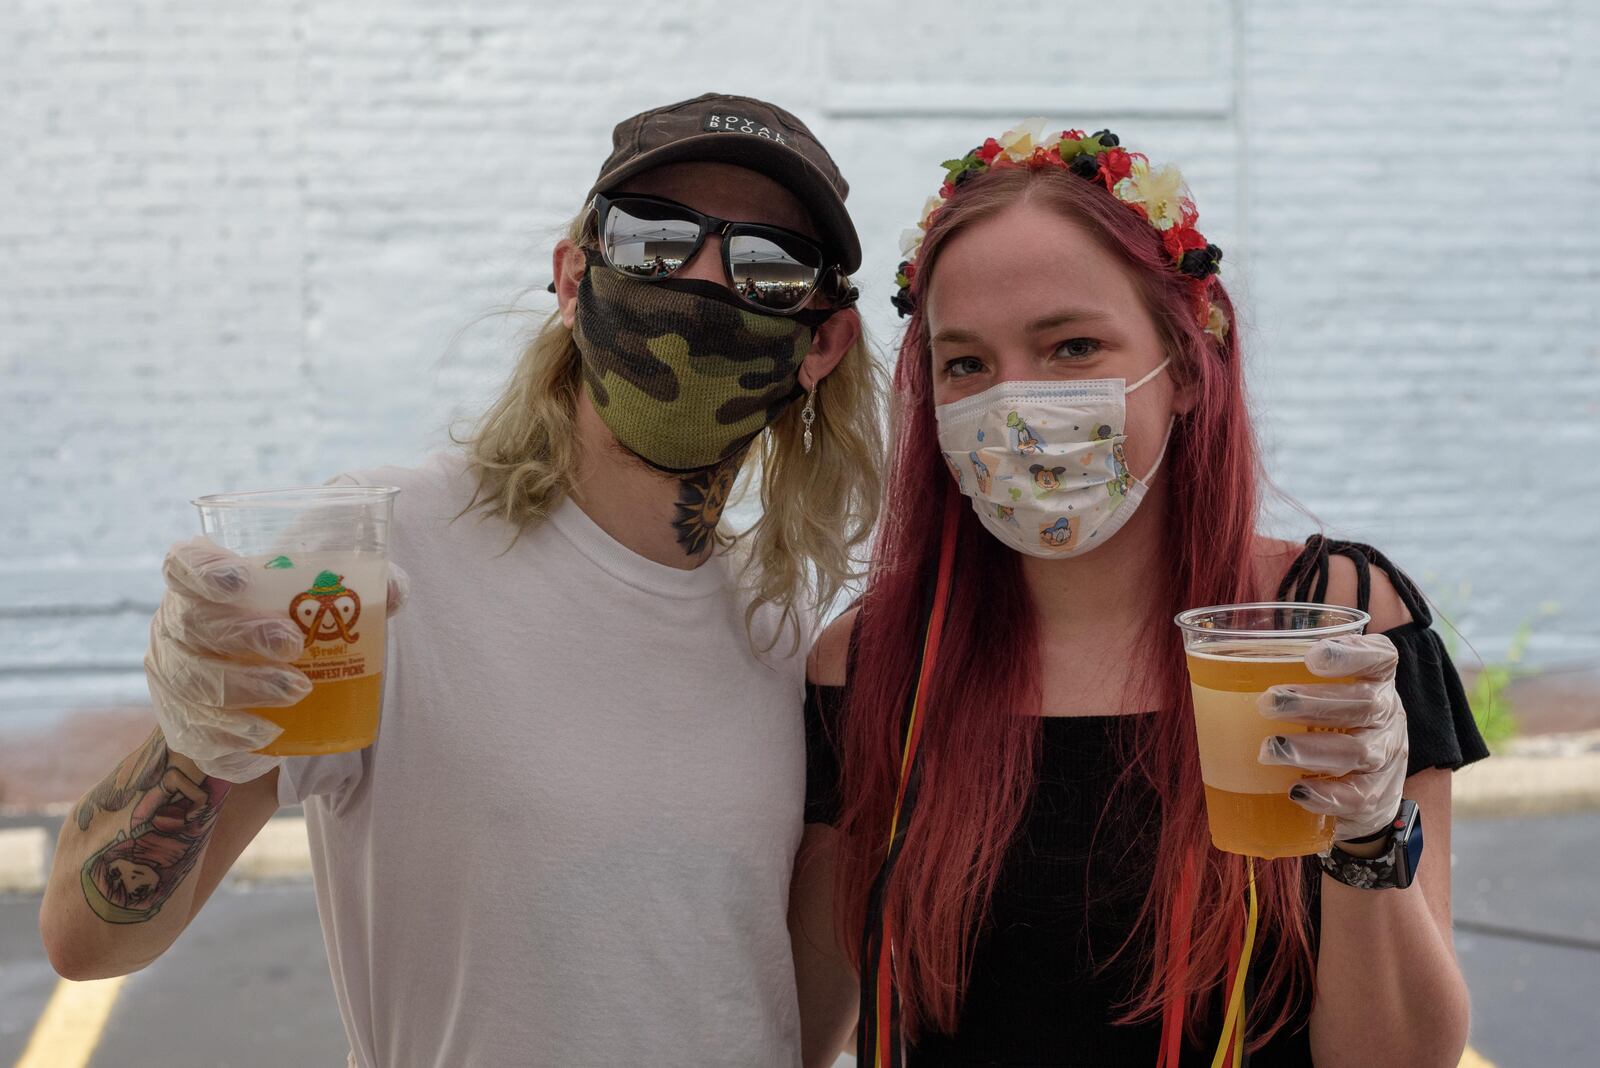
(327, 611)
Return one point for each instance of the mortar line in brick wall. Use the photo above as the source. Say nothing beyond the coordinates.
(109, 667)
(1203, 98)
(955, 109)
(76, 611)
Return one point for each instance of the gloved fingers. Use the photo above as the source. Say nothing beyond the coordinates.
(215, 627)
(1361, 803)
(205, 733)
(399, 588)
(1330, 704)
(221, 683)
(1363, 656)
(1333, 752)
(201, 568)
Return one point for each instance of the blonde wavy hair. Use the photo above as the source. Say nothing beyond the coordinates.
(817, 509)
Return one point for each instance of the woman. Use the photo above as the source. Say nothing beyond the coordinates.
(1053, 897)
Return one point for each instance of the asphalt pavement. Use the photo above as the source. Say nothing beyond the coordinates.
(1527, 912)
(247, 986)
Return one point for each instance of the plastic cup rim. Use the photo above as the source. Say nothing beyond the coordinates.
(296, 497)
(1356, 622)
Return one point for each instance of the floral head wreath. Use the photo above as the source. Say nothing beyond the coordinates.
(1158, 195)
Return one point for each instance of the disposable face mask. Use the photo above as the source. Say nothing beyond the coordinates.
(1043, 462)
(683, 373)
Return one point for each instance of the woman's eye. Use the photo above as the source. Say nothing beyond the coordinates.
(1078, 348)
(963, 366)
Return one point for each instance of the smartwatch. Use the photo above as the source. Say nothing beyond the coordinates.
(1392, 869)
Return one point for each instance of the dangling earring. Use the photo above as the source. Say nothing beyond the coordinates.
(808, 415)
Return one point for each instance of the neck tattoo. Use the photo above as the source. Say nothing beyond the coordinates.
(701, 497)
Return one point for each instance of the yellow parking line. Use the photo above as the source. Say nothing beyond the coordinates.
(69, 1030)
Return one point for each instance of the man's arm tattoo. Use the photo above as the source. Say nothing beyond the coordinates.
(138, 772)
(170, 821)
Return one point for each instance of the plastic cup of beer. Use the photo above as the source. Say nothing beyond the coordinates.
(1235, 652)
(318, 555)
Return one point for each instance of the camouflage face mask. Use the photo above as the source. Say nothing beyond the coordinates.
(683, 372)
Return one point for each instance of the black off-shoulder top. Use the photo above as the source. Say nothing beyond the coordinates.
(1040, 994)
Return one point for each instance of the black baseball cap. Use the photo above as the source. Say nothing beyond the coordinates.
(748, 133)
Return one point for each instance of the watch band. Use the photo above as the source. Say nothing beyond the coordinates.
(1363, 873)
(1382, 832)
(1392, 869)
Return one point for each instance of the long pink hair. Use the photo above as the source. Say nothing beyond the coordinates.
(980, 741)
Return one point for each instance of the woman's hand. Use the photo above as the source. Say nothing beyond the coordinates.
(1356, 748)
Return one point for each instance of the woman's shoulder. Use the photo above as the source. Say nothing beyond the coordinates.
(829, 661)
(1345, 573)
(1442, 730)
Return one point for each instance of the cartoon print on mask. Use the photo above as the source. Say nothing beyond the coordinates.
(1121, 478)
(1022, 438)
(1063, 446)
(1100, 433)
(1045, 479)
(1062, 534)
(981, 470)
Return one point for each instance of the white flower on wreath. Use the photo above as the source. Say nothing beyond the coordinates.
(911, 238)
(1216, 322)
(1018, 143)
(1160, 191)
(911, 242)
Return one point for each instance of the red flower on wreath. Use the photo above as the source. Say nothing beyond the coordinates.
(1157, 195)
(1180, 239)
(1115, 165)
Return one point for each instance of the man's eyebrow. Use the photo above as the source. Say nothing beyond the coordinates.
(957, 336)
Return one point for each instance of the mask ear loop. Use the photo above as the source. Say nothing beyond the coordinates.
(1162, 366)
(1166, 440)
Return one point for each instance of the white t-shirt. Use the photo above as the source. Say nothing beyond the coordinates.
(571, 844)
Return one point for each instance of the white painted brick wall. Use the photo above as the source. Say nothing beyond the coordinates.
(1427, 293)
(247, 246)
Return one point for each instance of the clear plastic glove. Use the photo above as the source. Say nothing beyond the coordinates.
(1357, 739)
(210, 658)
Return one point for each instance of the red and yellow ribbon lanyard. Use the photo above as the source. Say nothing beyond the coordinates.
(878, 1038)
(1230, 1046)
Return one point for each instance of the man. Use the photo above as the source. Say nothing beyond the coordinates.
(572, 842)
